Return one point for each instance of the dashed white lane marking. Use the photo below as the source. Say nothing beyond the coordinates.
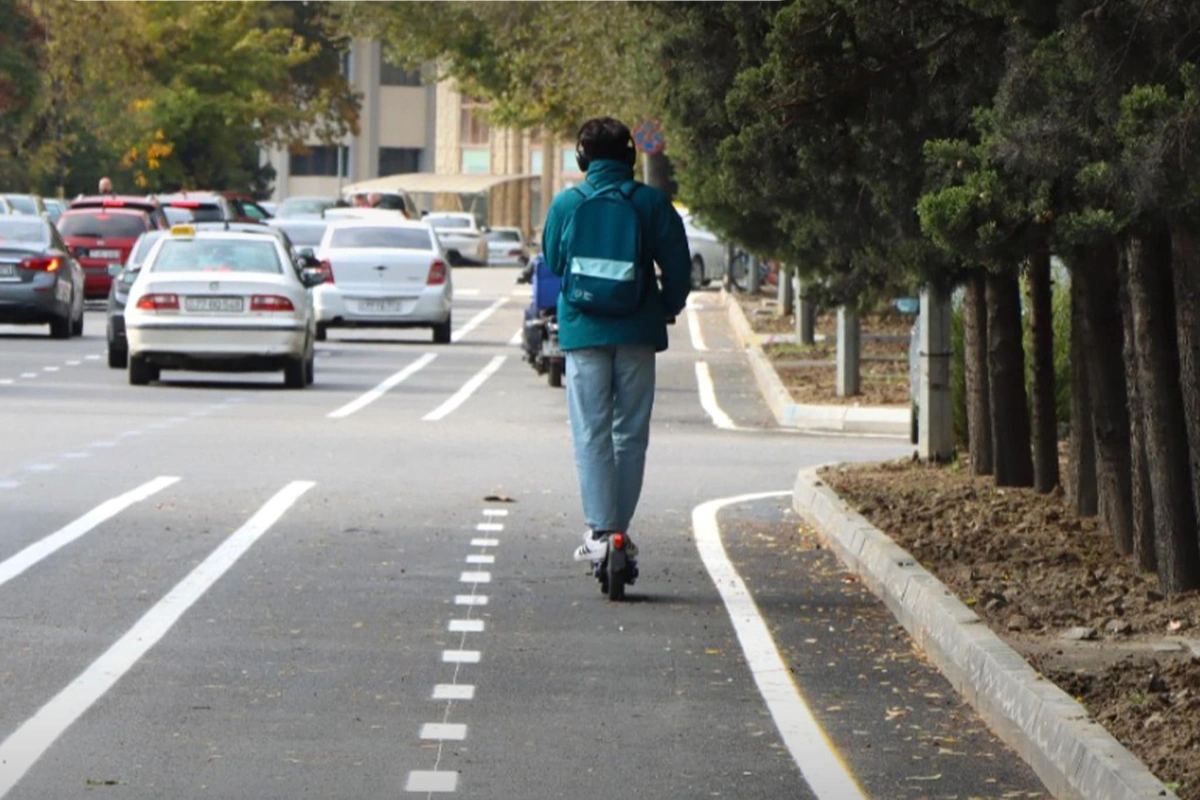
(429, 781)
(92, 358)
(465, 626)
(6, 484)
(708, 398)
(27, 743)
(495, 512)
(444, 731)
(76, 455)
(28, 374)
(454, 691)
(695, 332)
(6, 382)
(475, 577)
(461, 656)
(177, 420)
(41, 467)
(127, 434)
(103, 444)
(477, 320)
(383, 388)
(475, 558)
(490, 526)
(74, 363)
(819, 763)
(484, 542)
(470, 600)
(49, 369)
(18, 563)
(469, 388)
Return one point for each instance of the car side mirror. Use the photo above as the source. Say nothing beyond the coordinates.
(312, 276)
(115, 270)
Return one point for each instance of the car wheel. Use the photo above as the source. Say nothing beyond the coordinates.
(441, 332)
(322, 331)
(294, 374)
(697, 272)
(77, 326)
(141, 373)
(60, 329)
(117, 357)
(310, 370)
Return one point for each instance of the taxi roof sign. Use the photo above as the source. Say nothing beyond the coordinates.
(183, 230)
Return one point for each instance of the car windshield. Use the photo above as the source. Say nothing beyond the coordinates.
(303, 235)
(504, 236)
(14, 230)
(102, 225)
(391, 237)
(300, 206)
(22, 204)
(449, 222)
(216, 255)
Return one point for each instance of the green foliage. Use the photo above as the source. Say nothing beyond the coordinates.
(20, 56)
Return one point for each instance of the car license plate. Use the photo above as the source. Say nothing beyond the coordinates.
(8, 271)
(104, 254)
(226, 304)
(380, 306)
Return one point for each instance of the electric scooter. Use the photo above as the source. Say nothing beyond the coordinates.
(616, 569)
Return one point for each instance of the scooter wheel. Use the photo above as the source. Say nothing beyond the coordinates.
(616, 578)
(556, 374)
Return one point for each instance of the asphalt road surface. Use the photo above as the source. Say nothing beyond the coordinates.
(216, 587)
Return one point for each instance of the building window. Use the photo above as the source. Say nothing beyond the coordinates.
(476, 161)
(319, 159)
(392, 75)
(397, 160)
(472, 126)
(569, 165)
(535, 162)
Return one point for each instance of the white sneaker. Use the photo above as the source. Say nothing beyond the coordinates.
(592, 549)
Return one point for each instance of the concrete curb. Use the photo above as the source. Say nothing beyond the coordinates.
(873, 420)
(1076, 758)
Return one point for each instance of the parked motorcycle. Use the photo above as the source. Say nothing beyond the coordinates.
(540, 334)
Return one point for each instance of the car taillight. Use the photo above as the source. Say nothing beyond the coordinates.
(326, 269)
(437, 273)
(158, 302)
(42, 263)
(270, 302)
(185, 204)
(113, 203)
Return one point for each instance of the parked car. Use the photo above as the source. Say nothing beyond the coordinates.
(28, 204)
(463, 240)
(245, 207)
(506, 247)
(221, 300)
(103, 235)
(304, 232)
(40, 281)
(6, 207)
(55, 207)
(185, 207)
(388, 274)
(306, 207)
(709, 260)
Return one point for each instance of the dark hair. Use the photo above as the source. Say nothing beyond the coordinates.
(604, 138)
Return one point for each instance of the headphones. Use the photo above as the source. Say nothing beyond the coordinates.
(582, 160)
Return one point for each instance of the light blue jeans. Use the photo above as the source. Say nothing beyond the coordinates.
(610, 393)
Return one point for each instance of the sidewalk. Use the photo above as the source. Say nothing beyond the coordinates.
(841, 419)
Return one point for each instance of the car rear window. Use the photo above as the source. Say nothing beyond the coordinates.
(23, 205)
(504, 236)
(102, 225)
(217, 255)
(304, 205)
(390, 237)
(202, 212)
(449, 222)
(21, 231)
(303, 235)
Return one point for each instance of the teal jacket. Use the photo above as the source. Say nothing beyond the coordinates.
(664, 238)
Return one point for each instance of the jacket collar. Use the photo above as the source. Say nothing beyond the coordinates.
(606, 172)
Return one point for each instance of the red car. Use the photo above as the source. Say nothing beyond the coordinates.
(102, 235)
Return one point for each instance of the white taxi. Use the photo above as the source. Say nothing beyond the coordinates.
(221, 300)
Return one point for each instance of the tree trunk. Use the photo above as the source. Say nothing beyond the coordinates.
(1081, 461)
(1006, 382)
(1141, 502)
(979, 417)
(1156, 347)
(1099, 285)
(1045, 419)
(1185, 269)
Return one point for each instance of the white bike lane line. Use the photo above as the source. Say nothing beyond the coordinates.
(21, 750)
(469, 388)
(370, 396)
(819, 762)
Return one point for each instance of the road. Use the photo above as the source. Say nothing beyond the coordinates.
(216, 587)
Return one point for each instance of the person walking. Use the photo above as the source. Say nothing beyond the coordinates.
(604, 238)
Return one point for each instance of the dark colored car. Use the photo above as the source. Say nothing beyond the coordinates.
(212, 207)
(246, 208)
(101, 236)
(40, 282)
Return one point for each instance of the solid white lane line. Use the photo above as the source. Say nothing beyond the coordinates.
(469, 388)
(454, 691)
(466, 599)
(694, 329)
(495, 512)
(475, 577)
(460, 656)
(27, 743)
(430, 781)
(18, 563)
(465, 626)
(517, 338)
(477, 320)
(484, 542)
(447, 731)
(475, 558)
(489, 526)
(382, 389)
(708, 398)
(819, 763)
